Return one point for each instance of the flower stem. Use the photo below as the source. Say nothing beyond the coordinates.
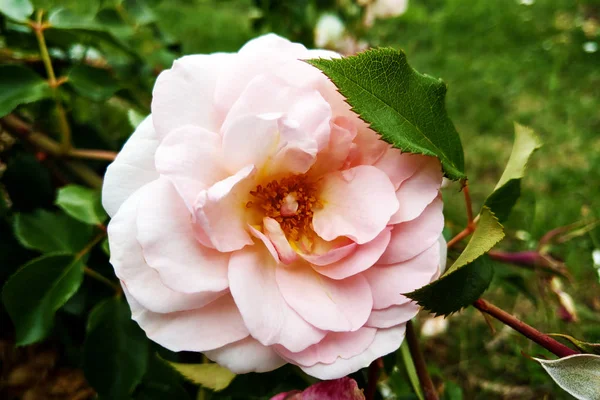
(65, 130)
(374, 370)
(531, 333)
(413, 345)
(101, 278)
(20, 128)
(103, 155)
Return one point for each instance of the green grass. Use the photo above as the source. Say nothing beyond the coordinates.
(506, 62)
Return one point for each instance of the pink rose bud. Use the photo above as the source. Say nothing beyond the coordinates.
(258, 220)
(339, 389)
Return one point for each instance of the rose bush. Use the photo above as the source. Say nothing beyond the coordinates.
(258, 220)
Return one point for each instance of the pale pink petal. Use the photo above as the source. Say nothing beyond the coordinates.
(142, 281)
(369, 144)
(184, 94)
(334, 345)
(388, 282)
(210, 327)
(386, 341)
(393, 315)
(250, 140)
(400, 166)
(415, 193)
(266, 241)
(220, 211)
(339, 306)
(266, 53)
(273, 231)
(266, 94)
(132, 169)
(413, 237)
(357, 203)
(190, 157)
(334, 252)
(246, 355)
(164, 230)
(268, 317)
(335, 155)
(362, 259)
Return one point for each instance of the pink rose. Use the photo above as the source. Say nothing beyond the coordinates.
(257, 220)
(339, 389)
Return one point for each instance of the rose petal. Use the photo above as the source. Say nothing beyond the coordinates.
(164, 230)
(363, 258)
(348, 199)
(335, 155)
(386, 341)
(268, 317)
(393, 315)
(246, 355)
(415, 193)
(334, 345)
(399, 166)
(132, 169)
(389, 281)
(190, 157)
(220, 211)
(143, 282)
(273, 230)
(210, 327)
(262, 54)
(250, 140)
(413, 237)
(184, 94)
(339, 306)
(266, 241)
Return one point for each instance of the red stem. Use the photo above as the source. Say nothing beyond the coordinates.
(413, 345)
(543, 340)
(374, 370)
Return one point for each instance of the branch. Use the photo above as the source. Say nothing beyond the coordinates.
(20, 128)
(470, 221)
(531, 333)
(374, 370)
(413, 345)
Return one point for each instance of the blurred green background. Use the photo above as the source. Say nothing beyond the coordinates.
(536, 62)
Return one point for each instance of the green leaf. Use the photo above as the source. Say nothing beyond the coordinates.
(46, 231)
(455, 291)
(160, 382)
(115, 350)
(578, 375)
(34, 293)
(18, 10)
(405, 107)
(591, 348)
(487, 234)
(211, 376)
(508, 189)
(20, 85)
(468, 277)
(94, 83)
(81, 203)
(411, 370)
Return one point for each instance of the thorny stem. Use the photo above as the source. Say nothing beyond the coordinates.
(374, 370)
(65, 130)
(413, 345)
(18, 127)
(531, 333)
(93, 154)
(470, 221)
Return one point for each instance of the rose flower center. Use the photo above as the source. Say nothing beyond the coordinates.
(290, 201)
